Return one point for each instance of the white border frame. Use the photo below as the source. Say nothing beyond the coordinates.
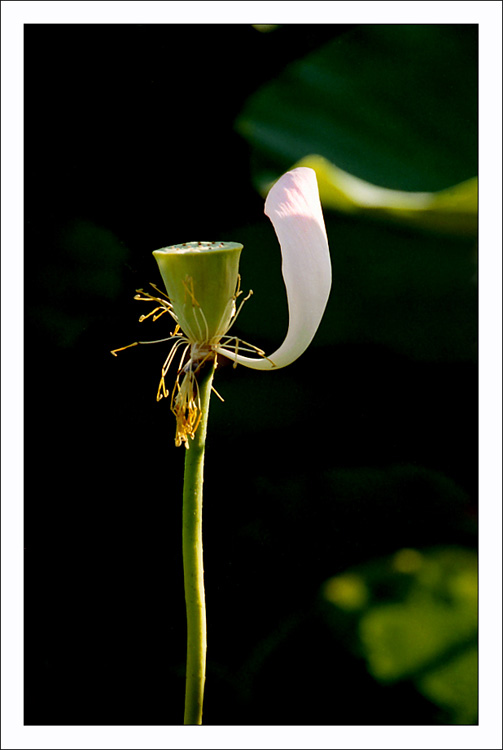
(488, 15)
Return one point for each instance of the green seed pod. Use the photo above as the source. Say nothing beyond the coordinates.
(201, 279)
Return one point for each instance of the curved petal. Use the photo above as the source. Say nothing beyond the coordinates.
(293, 206)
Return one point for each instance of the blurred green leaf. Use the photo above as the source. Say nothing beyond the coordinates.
(395, 105)
(265, 28)
(417, 621)
(453, 210)
(454, 686)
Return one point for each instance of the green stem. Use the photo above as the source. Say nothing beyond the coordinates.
(193, 560)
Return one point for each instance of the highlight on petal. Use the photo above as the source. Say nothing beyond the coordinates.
(294, 208)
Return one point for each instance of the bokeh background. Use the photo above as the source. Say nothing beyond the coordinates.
(340, 501)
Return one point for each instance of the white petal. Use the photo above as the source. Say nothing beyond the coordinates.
(293, 206)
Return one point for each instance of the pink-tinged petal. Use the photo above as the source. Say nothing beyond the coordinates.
(293, 206)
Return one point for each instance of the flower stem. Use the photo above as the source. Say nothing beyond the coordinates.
(193, 559)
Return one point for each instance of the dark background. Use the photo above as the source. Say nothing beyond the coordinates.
(364, 446)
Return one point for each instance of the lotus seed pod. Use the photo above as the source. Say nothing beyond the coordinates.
(201, 280)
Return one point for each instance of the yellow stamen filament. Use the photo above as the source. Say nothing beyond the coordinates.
(136, 343)
(164, 304)
(114, 351)
(159, 291)
(166, 366)
(241, 345)
(152, 314)
(188, 285)
(186, 406)
(185, 401)
(250, 293)
(217, 393)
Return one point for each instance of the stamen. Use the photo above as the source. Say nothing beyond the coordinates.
(247, 348)
(185, 399)
(147, 297)
(114, 351)
(165, 393)
(217, 393)
(188, 284)
(238, 287)
(231, 317)
(250, 293)
(235, 364)
(228, 353)
(165, 368)
(164, 304)
(153, 313)
(225, 341)
(200, 309)
(227, 315)
(136, 343)
(199, 336)
(186, 406)
(160, 291)
(170, 357)
(183, 357)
